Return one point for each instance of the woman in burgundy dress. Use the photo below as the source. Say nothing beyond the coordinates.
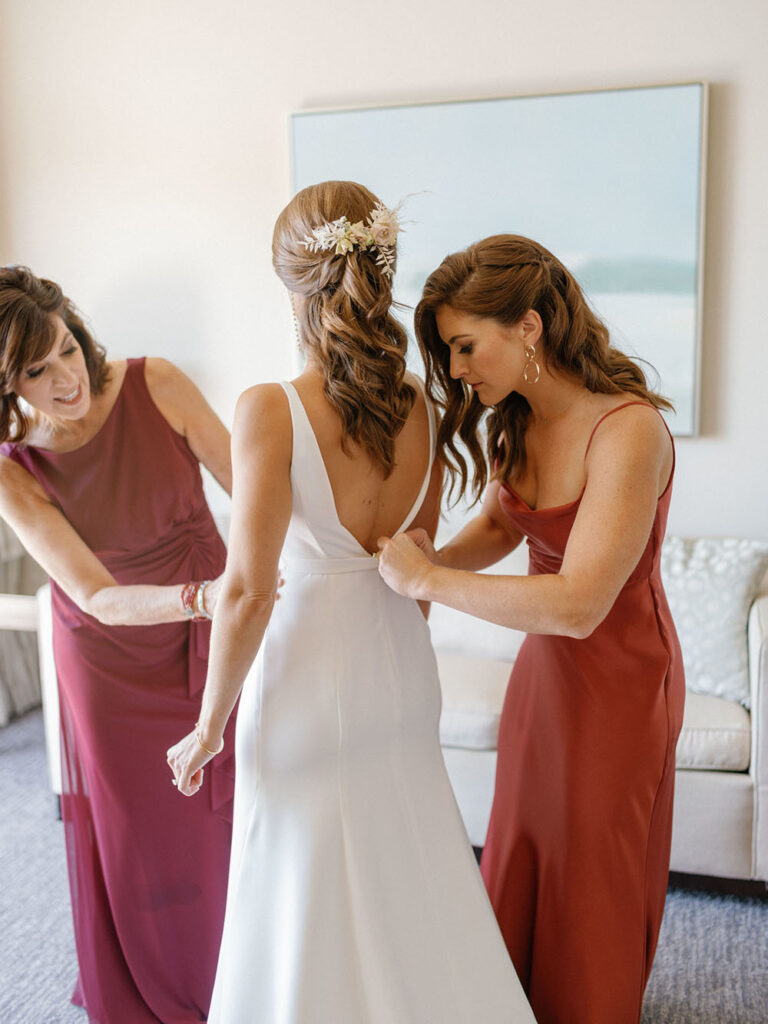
(100, 478)
(577, 854)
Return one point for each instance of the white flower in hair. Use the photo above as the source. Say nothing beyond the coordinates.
(384, 225)
(341, 236)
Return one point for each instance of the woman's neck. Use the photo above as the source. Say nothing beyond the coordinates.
(553, 396)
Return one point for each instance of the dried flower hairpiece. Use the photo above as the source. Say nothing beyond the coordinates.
(342, 236)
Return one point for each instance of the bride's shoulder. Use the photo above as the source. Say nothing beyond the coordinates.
(422, 397)
(263, 405)
(262, 419)
(417, 383)
(260, 397)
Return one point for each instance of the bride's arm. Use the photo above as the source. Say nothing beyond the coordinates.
(261, 510)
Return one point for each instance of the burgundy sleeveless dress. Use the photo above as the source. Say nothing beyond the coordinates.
(147, 867)
(577, 856)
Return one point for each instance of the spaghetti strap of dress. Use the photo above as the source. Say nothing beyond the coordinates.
(617, 409)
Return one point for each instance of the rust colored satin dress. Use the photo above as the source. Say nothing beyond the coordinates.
(147, 867)
(577, 855)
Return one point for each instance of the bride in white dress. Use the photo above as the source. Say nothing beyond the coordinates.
(354, 896)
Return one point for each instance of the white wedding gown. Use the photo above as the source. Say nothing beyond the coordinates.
(354, 897)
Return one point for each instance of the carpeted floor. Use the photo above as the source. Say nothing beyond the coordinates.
(711, 966)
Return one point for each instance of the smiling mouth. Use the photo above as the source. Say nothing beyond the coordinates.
(71, 398)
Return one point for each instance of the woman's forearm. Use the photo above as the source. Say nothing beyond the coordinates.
(533, 604)
(137, 605)
(238, 629)
(482, 542)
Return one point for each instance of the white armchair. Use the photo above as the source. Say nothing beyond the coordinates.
(721, 787)
(19, 578)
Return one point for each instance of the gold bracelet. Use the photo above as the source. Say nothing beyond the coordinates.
(208, 750)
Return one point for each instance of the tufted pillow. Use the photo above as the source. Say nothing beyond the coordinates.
(711, 583)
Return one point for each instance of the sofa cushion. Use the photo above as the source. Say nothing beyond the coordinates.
(710, 584)
(458, 633)
(716, 735)
(473, 692)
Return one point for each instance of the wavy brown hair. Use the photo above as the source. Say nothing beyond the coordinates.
(501, 278)
(345, 318)
(27, 333)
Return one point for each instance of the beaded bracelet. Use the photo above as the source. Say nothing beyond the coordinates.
(193, 601)
(188, 598)
(208, 750)
(202, 611)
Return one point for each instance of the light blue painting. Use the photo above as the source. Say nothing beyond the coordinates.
(610, 181)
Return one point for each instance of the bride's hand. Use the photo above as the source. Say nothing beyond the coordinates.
(186, 760)
(403, 565)
(422, 539)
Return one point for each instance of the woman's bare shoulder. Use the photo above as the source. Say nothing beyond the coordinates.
(263, 411)
(165, 380)
(629, 418)
(263, 400)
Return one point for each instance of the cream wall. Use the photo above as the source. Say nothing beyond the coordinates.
(143, 159)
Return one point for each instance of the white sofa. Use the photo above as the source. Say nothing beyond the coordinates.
(721, 787)
(721, 800)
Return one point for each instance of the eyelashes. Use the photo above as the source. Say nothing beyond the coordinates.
(65, 352)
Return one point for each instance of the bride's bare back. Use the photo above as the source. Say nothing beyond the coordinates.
(368, 505)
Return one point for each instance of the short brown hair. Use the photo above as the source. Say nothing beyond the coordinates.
(27, 305)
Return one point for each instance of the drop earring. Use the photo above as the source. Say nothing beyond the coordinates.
(531, 370)
(296, 325)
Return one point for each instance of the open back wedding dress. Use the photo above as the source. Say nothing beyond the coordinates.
(354, 897)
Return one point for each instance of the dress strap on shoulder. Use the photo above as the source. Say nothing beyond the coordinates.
(430, 417)
(624, 405)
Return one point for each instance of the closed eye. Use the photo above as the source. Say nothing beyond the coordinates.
(465, 350)
(70, 350)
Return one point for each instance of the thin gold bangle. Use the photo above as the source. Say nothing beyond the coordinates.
(208, 750)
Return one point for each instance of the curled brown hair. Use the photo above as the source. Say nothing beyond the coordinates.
(345, 318)
(501, 278)
(27, 332)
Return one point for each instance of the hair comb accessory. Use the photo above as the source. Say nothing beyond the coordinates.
(379, 232)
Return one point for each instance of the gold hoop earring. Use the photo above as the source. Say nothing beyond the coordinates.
(531, 366)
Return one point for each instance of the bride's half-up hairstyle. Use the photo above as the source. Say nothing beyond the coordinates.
(345, 317)
(500, 279)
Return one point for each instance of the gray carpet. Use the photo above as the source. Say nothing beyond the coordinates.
(711, 966)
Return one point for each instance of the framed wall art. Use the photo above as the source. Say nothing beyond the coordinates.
(611, 181)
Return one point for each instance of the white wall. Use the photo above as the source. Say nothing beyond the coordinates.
(143, 159)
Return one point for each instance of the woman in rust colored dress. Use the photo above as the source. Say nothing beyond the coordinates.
(577, 854)
(100, 478)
